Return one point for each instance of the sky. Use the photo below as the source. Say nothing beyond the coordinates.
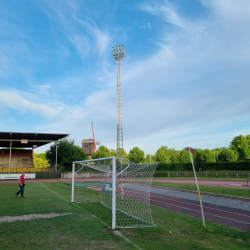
(185, 80)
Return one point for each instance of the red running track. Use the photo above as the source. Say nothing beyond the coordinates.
(227, 216)
(235, 218)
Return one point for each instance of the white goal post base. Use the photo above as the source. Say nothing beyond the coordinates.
(119, 185)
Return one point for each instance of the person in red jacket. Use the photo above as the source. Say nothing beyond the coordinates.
(21, 185)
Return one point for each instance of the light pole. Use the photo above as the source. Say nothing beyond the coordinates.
(118, 54)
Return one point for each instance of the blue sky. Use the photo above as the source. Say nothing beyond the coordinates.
(185, 79)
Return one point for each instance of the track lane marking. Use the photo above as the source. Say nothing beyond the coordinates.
(204, 212)
(217, 209)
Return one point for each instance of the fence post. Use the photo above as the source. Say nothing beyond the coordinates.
(237, 175)
(168, 174)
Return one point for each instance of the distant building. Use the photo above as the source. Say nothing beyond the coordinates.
(88, 145)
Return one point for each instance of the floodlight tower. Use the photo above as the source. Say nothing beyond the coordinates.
(118, 54)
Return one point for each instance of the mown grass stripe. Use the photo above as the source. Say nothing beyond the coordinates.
(116, 232)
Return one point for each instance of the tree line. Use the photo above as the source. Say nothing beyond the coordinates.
(238, 150)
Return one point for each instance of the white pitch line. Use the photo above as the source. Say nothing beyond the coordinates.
(126, 239)
(76, 206)
(116, 232)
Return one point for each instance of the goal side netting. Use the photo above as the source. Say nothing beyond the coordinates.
(121, 186)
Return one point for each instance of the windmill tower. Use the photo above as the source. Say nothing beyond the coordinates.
(118, 54)
(89, 145)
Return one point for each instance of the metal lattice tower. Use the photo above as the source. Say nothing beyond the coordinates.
(118, 54)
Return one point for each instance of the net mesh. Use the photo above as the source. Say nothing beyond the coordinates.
(93, 183)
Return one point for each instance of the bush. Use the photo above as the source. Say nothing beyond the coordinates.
(229, 166)
(205, 166)
(174, 167)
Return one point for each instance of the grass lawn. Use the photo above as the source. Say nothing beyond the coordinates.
(82, 230)
(209, 178)
(238, 192)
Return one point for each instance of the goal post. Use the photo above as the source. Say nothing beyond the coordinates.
(113, 193)
(119, 185)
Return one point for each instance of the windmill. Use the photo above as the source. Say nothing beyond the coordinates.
(89, 145)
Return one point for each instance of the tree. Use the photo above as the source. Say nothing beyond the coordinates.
(184, 157)
(207, 156)
(94, 155)
(216, 152)
(241, 144)
(102, 152)
(227, 155)
(197, 156)
(41, 155)
(112, 152)
(136, 155)
(163, 155)
(153, 158)
(125, 155)
(174, 155)
(40, 161)
(67, 153)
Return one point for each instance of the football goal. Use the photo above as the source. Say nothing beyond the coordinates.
(119, 185)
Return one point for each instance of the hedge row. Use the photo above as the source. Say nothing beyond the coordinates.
(230, 166)
(206, 166)
(174, 167)
(213, 174)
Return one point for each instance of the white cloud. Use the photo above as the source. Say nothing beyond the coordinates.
(166, 11)
(20, 101)
(87, 39)
(145, 26)
(189, 89)
(101, 37)
(182, 94)
(195, 80)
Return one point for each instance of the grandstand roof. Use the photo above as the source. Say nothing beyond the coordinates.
(28, 140)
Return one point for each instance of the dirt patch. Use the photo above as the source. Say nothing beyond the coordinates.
(30, 217)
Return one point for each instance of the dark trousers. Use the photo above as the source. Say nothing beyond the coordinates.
(21, 190)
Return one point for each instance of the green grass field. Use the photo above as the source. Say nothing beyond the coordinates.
(204, 178)
(237, 192)
(85, 227)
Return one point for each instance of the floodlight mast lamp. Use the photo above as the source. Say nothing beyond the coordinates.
(118, 54)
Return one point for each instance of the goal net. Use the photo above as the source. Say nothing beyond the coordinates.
(118, 184)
